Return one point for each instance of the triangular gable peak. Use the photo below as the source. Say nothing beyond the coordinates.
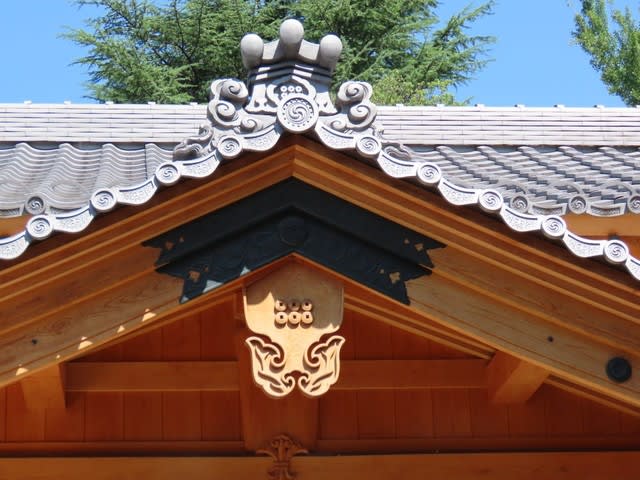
(287, 91)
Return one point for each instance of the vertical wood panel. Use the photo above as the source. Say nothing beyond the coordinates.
(142, 416)
(451, 416)
(407, 346)
(598, 419)
(66, 424)
(104, 417)
(441, 351)
(3, 414)
(563, 413)
(112, 353)
(372, 338)
(338, 415)
(629, 425)
(347, 330)
(181, 339)
(23, 425)
(181, 416)
(147, 346)
(487, 419)
(217, 327)
(376, 414)
(414, 414)
(221, 416)
(528, 419)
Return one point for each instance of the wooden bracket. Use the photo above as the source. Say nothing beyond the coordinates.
(512, 380)
(45, 389)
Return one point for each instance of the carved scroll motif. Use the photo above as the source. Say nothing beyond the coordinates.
(290, 350)
(282, 449)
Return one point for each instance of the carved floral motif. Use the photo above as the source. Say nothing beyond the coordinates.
(282, 449)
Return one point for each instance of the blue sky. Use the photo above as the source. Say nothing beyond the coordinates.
(535, 62)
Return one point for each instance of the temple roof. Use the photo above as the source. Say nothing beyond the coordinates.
(530, 166)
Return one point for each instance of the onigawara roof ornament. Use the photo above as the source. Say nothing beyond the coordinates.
(287, 90)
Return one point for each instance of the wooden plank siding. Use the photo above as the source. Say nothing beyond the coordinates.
(407, 420)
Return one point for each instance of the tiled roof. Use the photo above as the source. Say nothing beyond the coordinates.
(542, 160)
(69, 163)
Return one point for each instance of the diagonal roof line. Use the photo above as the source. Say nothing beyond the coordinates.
(615, 252)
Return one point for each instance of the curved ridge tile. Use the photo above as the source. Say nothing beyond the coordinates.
(615, 252)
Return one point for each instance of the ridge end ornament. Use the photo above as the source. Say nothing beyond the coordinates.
(294, 311)
(287, 90)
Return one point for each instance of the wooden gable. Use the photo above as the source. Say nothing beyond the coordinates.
(503, 347)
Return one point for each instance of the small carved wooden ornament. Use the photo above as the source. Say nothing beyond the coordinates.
(282, 449)
(292, 309)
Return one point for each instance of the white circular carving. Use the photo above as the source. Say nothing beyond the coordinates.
(103, 200)
(490, 201)
(429, 173)
(368, 146)
(39, 227)
(34, 205)
(229, 147)
(554, 227)
(616, 251)
(167, 174)
(297, 113)
(520, 203)
(633, 204)
(578, 204)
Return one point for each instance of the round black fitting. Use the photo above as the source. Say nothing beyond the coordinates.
(619, 369)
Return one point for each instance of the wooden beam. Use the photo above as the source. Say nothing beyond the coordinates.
(223, 376)
(45, 389)
(411, 374)
(511, 380)
(151, 376)
(461, 466)
(591, 226)
(496, 321)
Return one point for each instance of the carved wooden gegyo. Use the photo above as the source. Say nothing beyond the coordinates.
(293, 310)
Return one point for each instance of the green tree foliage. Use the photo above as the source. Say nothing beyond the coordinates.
(144, 50)
(612, 39)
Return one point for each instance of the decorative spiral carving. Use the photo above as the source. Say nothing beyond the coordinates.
(39, 227)
(616, 251)
(167, 174)
(103, 200)
(578, 204)
(35, 205)
(429, 173)
(354, 99)
(368, 146)
(554, 227)
(633, 204)
(297, 113)
(227, 97)
(490, 201)
(520, 203)
(229, 147)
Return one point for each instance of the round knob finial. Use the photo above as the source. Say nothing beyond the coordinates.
(291, 32)
(251, 47)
